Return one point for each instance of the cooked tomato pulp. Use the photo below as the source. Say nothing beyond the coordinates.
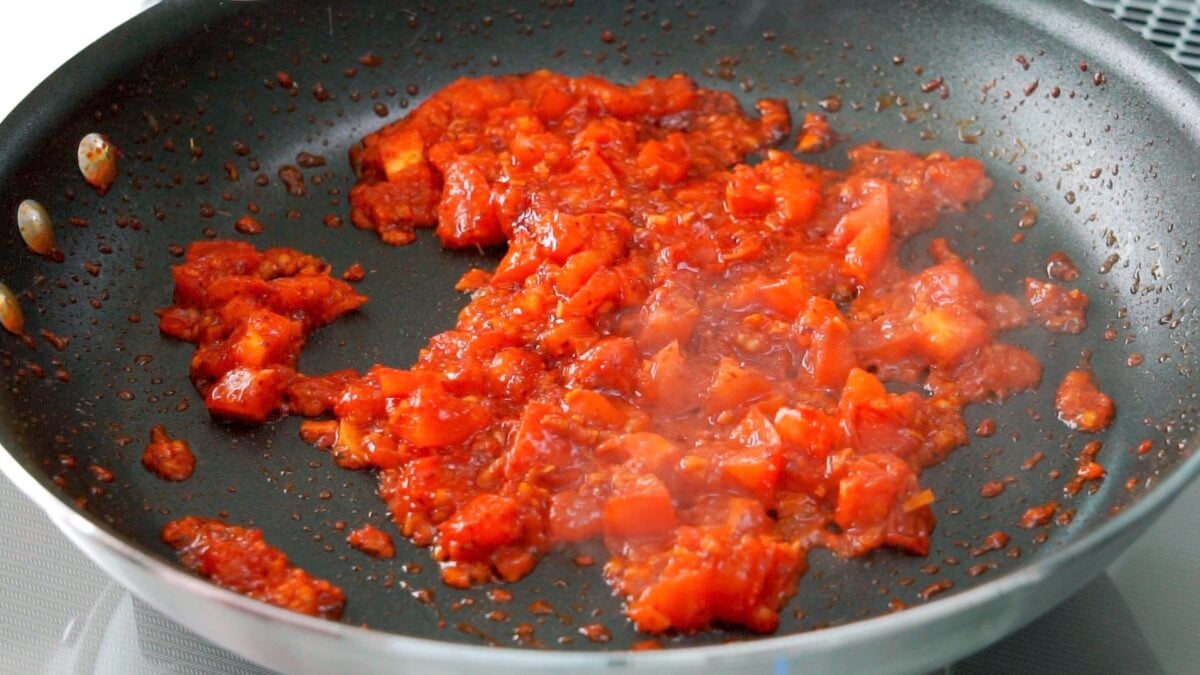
(683, 355)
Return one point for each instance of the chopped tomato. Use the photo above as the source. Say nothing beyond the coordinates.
(695, 360)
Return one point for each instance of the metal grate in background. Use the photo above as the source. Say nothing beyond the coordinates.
(1173, 25)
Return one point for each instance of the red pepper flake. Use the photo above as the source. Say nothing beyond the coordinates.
(1037, 516)
(284, 79)
(354, 272)
(102, 474)
(371, 60)
(932, 85)
(1145, 446)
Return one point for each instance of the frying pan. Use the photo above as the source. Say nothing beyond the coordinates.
(1077, 120)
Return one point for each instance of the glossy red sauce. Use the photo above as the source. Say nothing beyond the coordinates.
(372, 541)
(239, 559)
(681, 355)
(249, 313)
(168, 458)
(1059, 309)
(816, 135)
(1080, 403)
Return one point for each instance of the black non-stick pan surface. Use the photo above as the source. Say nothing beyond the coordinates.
(1089, 134)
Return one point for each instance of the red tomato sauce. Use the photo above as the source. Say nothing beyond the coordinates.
(168, 458)
(239, 559)
(684, 356)
(1080, 403)
(372, 541)
(249, 313)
